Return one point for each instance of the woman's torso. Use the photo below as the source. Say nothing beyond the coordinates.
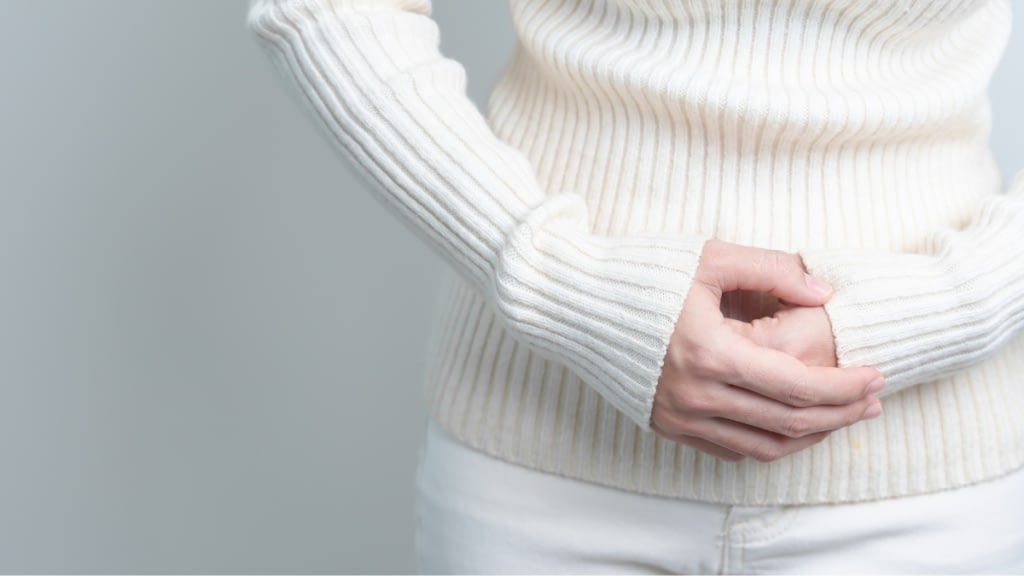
(788, 124)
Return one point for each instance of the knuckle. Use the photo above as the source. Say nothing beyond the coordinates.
(801, 394)
(774, 262)
(796, 426)
(786, 263)
(715, 248)
(767, 451)
(702, 360)
(764, 322)
(693, 399)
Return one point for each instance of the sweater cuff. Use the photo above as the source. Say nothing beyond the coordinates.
(920, 316)
(604, 305)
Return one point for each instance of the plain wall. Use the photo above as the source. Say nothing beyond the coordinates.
(212, 334)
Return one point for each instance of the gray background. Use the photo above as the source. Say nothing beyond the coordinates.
(211, 339)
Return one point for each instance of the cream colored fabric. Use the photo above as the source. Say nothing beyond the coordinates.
(476, 514)
(625, 133)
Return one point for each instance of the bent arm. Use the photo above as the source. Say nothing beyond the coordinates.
(372, 74)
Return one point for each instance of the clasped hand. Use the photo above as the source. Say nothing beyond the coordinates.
(765, 388)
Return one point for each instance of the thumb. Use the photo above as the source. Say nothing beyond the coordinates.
(781, 274)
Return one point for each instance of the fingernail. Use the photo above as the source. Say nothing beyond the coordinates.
(876, 385)
(873, 411)
(818, 285)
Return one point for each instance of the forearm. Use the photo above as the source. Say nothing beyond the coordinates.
(948, 306)
(372, 74)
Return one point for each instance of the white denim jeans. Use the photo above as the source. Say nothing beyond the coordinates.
(480, 514)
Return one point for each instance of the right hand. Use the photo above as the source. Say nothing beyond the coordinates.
(723, 394)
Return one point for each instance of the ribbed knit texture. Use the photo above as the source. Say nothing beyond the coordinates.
(625, 133)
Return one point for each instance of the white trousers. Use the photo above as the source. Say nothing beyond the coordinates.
(479, 514)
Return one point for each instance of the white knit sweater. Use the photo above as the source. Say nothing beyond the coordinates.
(625, 133)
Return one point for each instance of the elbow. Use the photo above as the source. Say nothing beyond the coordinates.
(261, 15)
(265, 20)
(256, 18)
(271, 20)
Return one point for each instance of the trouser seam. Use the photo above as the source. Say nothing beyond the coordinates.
(723, 560)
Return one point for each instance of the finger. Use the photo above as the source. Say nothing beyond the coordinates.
(764, 332)
(780, 376)
(760, 445)
(804, 333)
(781, 274)
(700, 444)
(743, 406)
(742, 328)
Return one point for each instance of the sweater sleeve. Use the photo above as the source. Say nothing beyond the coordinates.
(917, 316)
(372, 74)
